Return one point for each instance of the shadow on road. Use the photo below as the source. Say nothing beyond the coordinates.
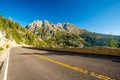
(88, 55)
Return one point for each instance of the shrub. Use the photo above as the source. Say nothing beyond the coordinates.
(7, 46)
(1, 48)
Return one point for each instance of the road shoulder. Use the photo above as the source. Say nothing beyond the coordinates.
(3, 58)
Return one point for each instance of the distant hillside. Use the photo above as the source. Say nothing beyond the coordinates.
(67, 35)
(97, 39)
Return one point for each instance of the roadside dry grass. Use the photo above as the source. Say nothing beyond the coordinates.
(97, 50)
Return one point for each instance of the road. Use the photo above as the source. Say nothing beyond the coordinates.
(30, 64)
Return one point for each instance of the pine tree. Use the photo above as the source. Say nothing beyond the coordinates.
(118, 44)
(111, 42)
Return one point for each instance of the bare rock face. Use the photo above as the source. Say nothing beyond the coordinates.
(71, 28)
(2, 34)
(2, 37)
(59, 26)
(46, 23)
(34, 25)
(37, 23)
(48, 26)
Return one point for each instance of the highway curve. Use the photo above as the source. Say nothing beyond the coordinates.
(30, 64)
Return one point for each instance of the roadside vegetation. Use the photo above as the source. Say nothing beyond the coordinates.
(20, 34)
(7, 46)
(112, 42)
(1, 48)
(118, 44)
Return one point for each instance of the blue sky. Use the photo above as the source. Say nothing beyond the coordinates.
(101, 16)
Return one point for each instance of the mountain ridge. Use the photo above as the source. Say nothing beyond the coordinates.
(47, 30)
(59, 26)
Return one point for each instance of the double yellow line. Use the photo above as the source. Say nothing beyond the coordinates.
(99, 76)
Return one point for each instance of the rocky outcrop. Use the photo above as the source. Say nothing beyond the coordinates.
(34, 25)
(4, 41)
(2, 38)
(48, 26)
(71, 28)
(59, 26)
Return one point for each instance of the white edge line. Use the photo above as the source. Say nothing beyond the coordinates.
(6, 67)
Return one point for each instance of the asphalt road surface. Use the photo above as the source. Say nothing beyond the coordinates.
(30, 64)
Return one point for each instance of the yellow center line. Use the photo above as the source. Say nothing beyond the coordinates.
(93, 74)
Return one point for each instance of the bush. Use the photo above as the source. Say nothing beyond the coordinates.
(1, 48)
(7, 46)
